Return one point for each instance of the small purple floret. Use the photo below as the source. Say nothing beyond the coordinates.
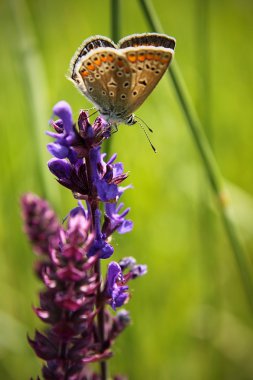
(116, 290)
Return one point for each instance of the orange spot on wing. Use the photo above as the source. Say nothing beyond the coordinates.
(141, 57)
(110, 58)
(131, 58)
(84, 73)
(97, 61)
(103, 58)
(91, 67)
(150, 56)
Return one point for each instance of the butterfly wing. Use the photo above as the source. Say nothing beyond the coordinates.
(147, 65)
(148, 39)
(87, 47)
(103, 75)
(149, 55)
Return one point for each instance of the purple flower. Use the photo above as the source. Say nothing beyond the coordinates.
(74, 177)
(92, 177)
(116, 290)
(74, 300)
(116, 221)
(41, 223)
(100, 246)
(65, 133)
(68, 302)
(135, 270)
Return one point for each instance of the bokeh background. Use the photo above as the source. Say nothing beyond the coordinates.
(191, 319)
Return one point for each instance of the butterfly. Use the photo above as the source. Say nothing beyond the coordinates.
(118, 78)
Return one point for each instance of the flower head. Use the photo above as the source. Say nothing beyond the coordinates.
(74, 301)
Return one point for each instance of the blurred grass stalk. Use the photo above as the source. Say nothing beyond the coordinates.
(208, 160)
(35, 83)
(115, 19)
(115, 36)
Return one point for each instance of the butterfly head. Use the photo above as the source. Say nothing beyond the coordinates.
(116, 119)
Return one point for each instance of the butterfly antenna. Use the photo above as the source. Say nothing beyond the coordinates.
(146, 125)
(144, 130)
(93, 113)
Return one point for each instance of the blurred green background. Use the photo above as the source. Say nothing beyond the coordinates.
(191, 319)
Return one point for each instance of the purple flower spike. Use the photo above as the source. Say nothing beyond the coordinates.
(75, 302)
(41, 223)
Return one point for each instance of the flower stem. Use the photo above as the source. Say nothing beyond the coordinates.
(208, 160)
(101, 321)
(94, 206)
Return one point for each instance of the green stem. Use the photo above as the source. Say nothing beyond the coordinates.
(208, 160)
(94, 206)
(115, 20)
(115, 36)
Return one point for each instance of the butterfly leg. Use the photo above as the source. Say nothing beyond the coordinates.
(114, 128)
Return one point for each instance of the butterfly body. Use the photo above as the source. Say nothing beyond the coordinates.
(118, 78)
